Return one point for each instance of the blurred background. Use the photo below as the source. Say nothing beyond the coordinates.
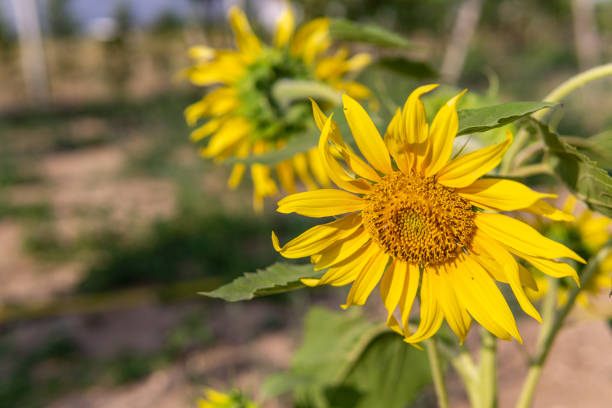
(110, 223)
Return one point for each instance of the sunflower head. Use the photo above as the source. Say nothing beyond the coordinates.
(249, 112)
(412, 218)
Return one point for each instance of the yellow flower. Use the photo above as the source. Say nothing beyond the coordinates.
(245, 117)
(216, 399)
(428, 219)
(590, 233)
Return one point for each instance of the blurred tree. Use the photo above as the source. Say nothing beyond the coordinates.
(61, 21)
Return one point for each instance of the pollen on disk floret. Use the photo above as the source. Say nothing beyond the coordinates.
(416, 220)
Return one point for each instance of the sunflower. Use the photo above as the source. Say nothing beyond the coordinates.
(414, 217)
(216, 399)
(244, 115)
(589, 234)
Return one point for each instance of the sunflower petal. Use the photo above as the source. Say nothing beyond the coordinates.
(284, 27)
(466, 169)
(341, 250)
(411, 287)
(325, 202)
(501, 194)
(334, 170)
(392, 286)
(348, 270)
(442, 136)
(455, 313)
(517, 235)
(367, 280)
(505, 262)
(544, 209)
(431, 313)
(549, 267)
(366, 135)
(483, 300)
(246, 41)
(319, 237)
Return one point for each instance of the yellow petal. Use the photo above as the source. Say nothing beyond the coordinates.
(411, 287)
(333, 169)
(544, 209)
(354, 89)
(284, 171)
(501, 194)
(455, 313)
(483, 300)
(321, 203)
(301, 166)
(246, 41)
(442, 136)
(231, 134)
(346, 271)
(464, 170)
(431, 313)
(396, 145)
(483, 247)
(318, 237)
(341, 250)
(318, 170)
(366, 135)
(549, 267)
(367, 280)
(521, 237)
(392, 286)
(311, 39)
(206, 130)
(284, 27)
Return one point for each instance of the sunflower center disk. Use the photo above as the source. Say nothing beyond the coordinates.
(416, 220)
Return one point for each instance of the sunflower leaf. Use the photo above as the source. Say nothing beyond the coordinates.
(589, 182)
(277, 278)
(345, 30)
(345, 361)
(491, 117)
(597, 147)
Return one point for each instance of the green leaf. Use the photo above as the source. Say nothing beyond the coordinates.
(597, 147)
(345, 30)
(491, 117)
(404, 66)
(277, 278)
(590, 183)
(345, 361)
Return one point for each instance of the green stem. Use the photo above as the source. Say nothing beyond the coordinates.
(549, 306)
(437, 373)
(546, 342)
(530, 170)
(488, 370)
(556, 95)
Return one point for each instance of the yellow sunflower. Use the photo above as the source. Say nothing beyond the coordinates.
(414, 215)
(216, 399)
(590, 233)
(245, 117)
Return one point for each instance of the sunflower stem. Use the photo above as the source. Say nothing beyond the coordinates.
(530, 170)
(437, 372)
(556, 95)
(546, 342)
(488, 370)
